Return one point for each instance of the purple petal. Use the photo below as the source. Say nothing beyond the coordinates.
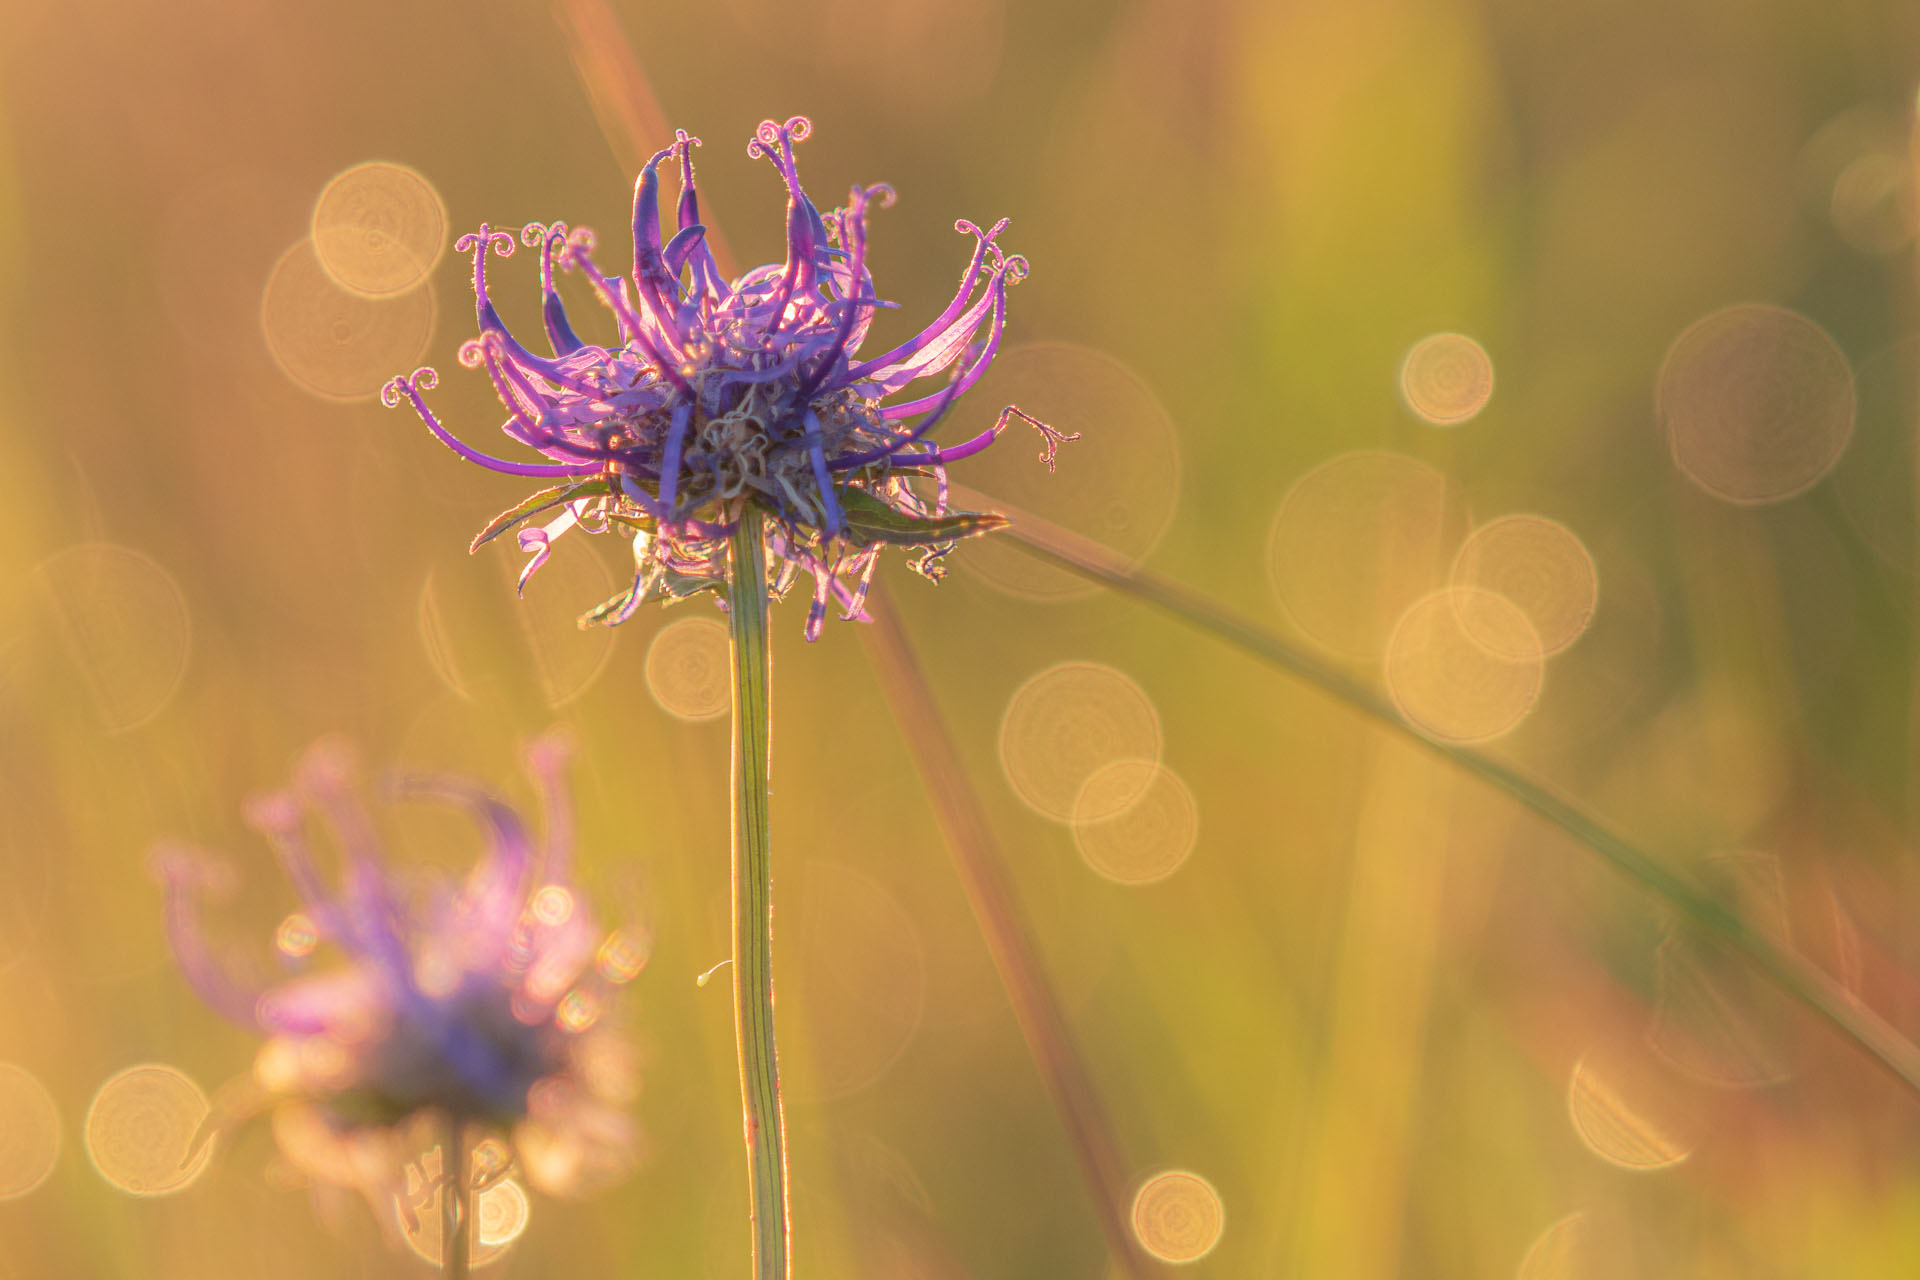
(184, 875)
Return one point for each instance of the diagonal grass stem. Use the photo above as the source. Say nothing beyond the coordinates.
(1009, 941)
(1791, 972)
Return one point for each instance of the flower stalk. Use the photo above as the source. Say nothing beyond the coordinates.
(761, 1114)
(456, 1214)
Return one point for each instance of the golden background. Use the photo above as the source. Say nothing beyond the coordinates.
(1396, 1025)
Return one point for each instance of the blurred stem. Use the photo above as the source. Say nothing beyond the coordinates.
(1009, 941)
(765, 1124)
(623, 100)
(456, 1232)
(1791, 972)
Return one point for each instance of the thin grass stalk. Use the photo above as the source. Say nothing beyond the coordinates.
(1798, 977)
(456, 1210)
(761, 1115)
(630, 115)
(1103, 1167)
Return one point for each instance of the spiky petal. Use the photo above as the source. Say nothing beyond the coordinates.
(719, 393)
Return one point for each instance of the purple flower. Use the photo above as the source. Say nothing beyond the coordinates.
(478, 1002)
(723, 393)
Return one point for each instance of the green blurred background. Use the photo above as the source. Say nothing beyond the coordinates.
(1360, 1008)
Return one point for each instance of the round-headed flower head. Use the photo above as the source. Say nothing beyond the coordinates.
(477, 1003)
(721, 394)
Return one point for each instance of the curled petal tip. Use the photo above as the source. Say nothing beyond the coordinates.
(538, 544)
(768, 135)
(968, 227)
(404, 386)
(272, 813)
(329, 767)
(501, 242)
(170, 861)
(550, 752)
(178, 865)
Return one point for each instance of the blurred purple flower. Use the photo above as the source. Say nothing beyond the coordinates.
(479, 1002)
(725, 393)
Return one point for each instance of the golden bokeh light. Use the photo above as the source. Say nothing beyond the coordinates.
(622, 956)
(142, 1128)
(1873, 202)
(1757, 403)
(1065, 724)
(1542, 567)
(552, 905)
(858, 983)
(500, 1214)
(29, 1132)
(1857, 171)
(1625, 1115)
(578, 1010)
(1135, 822)
(124, 621)
(690, 669)
(1452, 684)
(296, 937)
(567, 657)
(335, 344)
(1446, 378)
(500, 1210)
(439, 637)
(468, 607)
(1177, 1216)
(1559, 1252)
(1357, 540)
(1119, 484)
(379, 229)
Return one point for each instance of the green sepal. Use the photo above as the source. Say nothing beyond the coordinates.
(639, 524)
(670, 588)
(871, 520)
(537, 502)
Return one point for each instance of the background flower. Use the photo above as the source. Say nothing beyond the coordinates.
(422, 1002)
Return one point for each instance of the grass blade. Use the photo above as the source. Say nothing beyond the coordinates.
(1791, 972)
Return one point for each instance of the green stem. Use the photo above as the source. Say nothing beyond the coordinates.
(765, 1123)
(456, 1227)
(1791, 972)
